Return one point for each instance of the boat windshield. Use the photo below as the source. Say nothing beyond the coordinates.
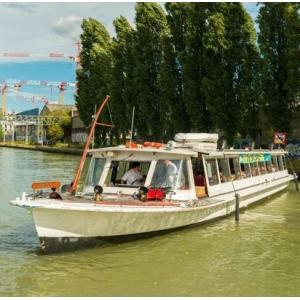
(91, 174)
(170, 174)
(127, 173)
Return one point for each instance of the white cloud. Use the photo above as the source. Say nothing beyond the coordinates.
(68, 27)
(43, 27)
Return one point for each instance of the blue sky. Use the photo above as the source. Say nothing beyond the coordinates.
(42, 28)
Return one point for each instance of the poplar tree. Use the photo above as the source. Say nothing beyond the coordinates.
(230, 83)
(150, 25)
(94, 75)
(278, 41)
(174, 118)
(195, 67)
(122, 85)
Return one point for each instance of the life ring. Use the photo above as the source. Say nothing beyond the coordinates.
(153, 144)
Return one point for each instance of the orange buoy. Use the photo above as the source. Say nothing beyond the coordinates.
(131, 145)
(152, 144)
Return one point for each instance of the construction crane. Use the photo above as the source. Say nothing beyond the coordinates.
(28, 55)
(15, 85)
(62, 86)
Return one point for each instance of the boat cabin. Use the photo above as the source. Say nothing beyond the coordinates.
(185, 173)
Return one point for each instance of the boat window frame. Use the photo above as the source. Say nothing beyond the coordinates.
(284, 162)
(225, 175)
(84, 186)
(274, 162)
(255, 170)
(235, 163)
(246, 174)
(181, 163)
(262, 171)
(280, 163)
(126, 168)
(206, 171)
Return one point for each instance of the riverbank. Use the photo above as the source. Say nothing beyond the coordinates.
(50, 149)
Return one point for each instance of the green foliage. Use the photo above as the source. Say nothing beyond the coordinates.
(57, 131)
(122, 85)
(192, 67)
(150, 25)
(278, 40)
(1, 133)
(231, 82)
(93, 77)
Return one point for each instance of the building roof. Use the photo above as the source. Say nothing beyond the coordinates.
(52, 107)
(31, 112)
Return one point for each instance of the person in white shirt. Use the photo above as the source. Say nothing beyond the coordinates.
(171, 173)
(133, 176)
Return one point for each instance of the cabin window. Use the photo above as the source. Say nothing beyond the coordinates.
(212, 171)
(171, 174)
(95, 171)
(262, 167)
(245, 170)
(254, 168)
(283, 162)
(269, 166)
(280, 163)
(224, 171)
(118, 169)
(274, 164)
(198, 171)
(235, 168)
(84, 173)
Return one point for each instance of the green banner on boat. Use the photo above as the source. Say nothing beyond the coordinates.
(251, 158)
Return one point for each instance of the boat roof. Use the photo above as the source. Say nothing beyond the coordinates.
(186, 151)
(122, 148)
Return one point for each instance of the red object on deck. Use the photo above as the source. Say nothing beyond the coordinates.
(155, 194)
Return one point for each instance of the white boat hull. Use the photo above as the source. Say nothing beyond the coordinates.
(69, 221)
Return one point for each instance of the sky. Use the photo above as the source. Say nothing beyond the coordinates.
(41, 28)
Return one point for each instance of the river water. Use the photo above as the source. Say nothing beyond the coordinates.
(259, 256)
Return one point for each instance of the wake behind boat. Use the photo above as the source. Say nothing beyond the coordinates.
(134, 189)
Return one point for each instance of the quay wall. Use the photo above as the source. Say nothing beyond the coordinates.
(44, 149)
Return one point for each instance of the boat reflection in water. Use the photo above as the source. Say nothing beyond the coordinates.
(185, 182)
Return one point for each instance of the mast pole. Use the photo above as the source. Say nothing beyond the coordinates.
(132, 122)
(87, 146)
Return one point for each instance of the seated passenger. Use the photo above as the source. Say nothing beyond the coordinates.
(54, 194)
(133, 176)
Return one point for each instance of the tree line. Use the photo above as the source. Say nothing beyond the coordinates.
(192, 67)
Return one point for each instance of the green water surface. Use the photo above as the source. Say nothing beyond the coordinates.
(260, 256)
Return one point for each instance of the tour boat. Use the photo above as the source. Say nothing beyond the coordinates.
(106, 207)
(184, 182)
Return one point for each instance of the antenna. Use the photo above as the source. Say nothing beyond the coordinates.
(132, 122)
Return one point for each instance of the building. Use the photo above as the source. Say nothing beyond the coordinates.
(48, 108)
(79, 130)
(25, 130)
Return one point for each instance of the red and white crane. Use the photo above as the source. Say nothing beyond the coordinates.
(14, 85)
